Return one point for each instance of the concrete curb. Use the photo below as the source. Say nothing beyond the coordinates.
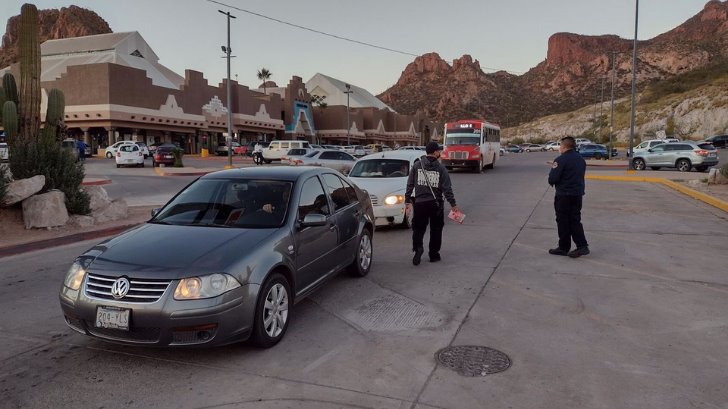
(96, 182)
(705, 198)
(59, 241)
(160, 172)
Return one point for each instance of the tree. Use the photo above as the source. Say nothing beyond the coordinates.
(264, 75)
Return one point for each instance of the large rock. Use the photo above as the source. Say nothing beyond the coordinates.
(81, 221)
(46, 210)
(117, 210)
(22, 189)
(715, 177)
(98, 198)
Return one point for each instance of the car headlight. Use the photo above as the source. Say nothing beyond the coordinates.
(196, 288)
(74, 276)
(394, 199)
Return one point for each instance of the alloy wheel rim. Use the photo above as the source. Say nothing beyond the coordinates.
(683, 166)
(275, 310)
(365, 252)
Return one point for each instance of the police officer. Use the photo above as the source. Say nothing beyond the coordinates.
(567, 176)
(429, 180)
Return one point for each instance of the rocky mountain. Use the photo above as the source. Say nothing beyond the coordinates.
(569, 78)
(67, 22)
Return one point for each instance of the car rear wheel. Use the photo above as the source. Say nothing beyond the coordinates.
(109, 155)
(638, 164)
(598, 156)
(701, 168)
(118, 166)
(683, 165)
(272, 311)
(141, 165)
(363, 259)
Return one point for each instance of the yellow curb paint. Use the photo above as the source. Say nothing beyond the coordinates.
(705, 198)
(229, 167)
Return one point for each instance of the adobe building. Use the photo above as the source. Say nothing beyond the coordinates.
(116, 89)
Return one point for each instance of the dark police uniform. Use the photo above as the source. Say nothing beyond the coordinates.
(567, 176)
(428, 208)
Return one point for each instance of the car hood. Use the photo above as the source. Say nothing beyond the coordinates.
(381, 186)
(156, 251)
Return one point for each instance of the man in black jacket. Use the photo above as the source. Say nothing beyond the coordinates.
(567, 176)
(429, 180)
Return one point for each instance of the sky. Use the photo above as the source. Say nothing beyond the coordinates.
(511, 35)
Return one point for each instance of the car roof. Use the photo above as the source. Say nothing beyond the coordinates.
(289, 173)
(409, 155)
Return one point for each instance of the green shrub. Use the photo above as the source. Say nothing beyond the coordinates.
(61, 171)
(177, 152)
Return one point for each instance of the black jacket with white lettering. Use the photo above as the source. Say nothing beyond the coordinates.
(439, 180)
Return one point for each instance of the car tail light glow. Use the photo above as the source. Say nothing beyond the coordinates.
(702, 152)
(118, 154)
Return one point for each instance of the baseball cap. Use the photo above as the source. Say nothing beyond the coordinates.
(432, 147)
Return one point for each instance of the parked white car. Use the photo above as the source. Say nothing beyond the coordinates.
(129, 154)
(330, 158)
(552, 146)
(277, 149)
(646, 146)
(384, 176)
(111, 150)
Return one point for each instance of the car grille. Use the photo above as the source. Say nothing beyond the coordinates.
(140, 290)
(458, 155)
(135, 334)
(374, 199)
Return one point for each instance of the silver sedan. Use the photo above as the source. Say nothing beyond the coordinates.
(223, 261)
(330, 158)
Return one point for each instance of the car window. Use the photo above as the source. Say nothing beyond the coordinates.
(346, 156)
(285, 145)
(312, 154)
(350, 191)
(707, 146)
(678, 147)
(659, 148)
(313, 199)
(329, 155)
(381, 168)
(337, 191)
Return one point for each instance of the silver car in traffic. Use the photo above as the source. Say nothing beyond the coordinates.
(223, 261)
(681, 155)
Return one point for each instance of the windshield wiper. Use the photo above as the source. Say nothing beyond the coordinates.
(209, 225)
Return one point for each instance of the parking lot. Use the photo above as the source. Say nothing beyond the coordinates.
(640, 322)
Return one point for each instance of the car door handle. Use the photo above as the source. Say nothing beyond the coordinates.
(332, 226)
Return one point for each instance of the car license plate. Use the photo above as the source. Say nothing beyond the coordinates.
(712, 155)
(167, 156)
(112, 317)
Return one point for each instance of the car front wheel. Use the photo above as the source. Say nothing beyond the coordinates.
(638, 164)
(683, 165)
(363, 259)
(109, 155)
(272, 311)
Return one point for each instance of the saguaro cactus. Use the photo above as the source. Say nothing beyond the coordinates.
(29, 72)
(11, 90)
(10, 120)
(54, 114)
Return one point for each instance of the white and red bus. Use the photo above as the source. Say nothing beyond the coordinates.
(472, 144)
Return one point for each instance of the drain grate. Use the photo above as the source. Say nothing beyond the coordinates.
(469, 360)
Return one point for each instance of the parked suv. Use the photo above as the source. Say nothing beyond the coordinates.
(681, 155)
(719, 141)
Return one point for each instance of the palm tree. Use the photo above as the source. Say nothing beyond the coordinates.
(264, 75)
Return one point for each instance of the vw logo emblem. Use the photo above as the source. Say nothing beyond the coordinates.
(120, 288)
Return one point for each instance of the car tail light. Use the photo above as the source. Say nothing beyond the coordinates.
(156, 156)
(118, 154)
(702, 152)
(140, 154)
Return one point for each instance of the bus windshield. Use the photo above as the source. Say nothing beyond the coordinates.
(462, 139)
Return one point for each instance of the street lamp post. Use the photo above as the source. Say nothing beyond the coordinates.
(611, 116)
(348, 123)
(634, 84)
(227, 51)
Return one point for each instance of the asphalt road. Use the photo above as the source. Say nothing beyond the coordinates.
(638, 323)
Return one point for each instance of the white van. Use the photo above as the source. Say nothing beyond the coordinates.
(644, 146)
(277, 149)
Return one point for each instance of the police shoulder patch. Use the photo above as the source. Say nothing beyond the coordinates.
(555, 165)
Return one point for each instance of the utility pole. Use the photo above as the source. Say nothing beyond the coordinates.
(634, 84)
(348, 123)
(227, 51)
(601, 106)
(611, 117)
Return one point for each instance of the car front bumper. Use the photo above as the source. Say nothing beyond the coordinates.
(388, 215)
(215, 321)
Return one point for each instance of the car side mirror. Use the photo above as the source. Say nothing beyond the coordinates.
(155, 211)
(313, 220)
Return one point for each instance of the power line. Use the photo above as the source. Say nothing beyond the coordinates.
(338, 37)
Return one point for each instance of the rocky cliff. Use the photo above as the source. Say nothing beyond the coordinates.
(67, 22)
(569, 78)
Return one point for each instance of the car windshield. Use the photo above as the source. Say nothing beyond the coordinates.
(380, 168)
(462, 139)
(707, 146)
(237, 203)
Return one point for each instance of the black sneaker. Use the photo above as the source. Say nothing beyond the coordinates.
(558, 252)
(435, 258)
(418, 256)
(581, 251)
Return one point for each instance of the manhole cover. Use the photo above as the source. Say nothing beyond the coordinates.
(469, 360)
